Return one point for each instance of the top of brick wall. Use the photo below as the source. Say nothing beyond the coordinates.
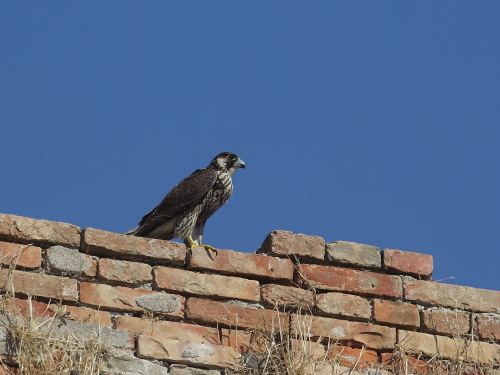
(278, 244)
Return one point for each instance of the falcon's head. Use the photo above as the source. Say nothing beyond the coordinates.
(228, 161)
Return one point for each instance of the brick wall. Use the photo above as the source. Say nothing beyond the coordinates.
(161, 307)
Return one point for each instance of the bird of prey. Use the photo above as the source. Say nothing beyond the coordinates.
(187, 207)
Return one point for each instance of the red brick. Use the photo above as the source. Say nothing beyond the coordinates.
(127, 299)
(353, 254)
(84, 314)
(168, 329)
(102, 243)
(201, 284)
(186, 352)
(247, 265)
(38, 232)
(399, 313)
(7, 370)
(35, 284)
(349, 280)
(26, 256)
(372, 335)
(21, 307)
(453, 296)
(445, 322)
(353, 357)
(286, 244)
(343, 305)
(407, 262)
(236, 339)
(413, 365)
(230, 315)
(286, 296)
(39, 309)
(124, 272)
(488, 327)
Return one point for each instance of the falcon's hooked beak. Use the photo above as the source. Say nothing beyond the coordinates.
(240, 164)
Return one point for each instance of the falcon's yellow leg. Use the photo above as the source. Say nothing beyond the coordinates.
(192, 245)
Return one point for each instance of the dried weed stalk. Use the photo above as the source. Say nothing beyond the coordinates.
(38, 348)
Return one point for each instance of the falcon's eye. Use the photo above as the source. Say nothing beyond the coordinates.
(231, 157)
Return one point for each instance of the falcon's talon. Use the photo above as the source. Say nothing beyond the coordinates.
(208, 247)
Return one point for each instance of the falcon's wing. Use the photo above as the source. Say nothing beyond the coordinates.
(184, 194)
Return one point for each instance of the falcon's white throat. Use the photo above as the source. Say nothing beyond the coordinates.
(233, 169)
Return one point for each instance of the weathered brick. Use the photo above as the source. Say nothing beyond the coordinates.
(168, 329)
(349, 280)
(102, 243)
(234, 263)
(372, 335)
(343, 305)
(8, 370)
(80, 331)
(38, 309)
(445, 322)
(230, 315)
(186, 352)
(453, 296)
(26, 256)
(8, 360)
(463, 350)
(353, 254)
(38, 232)
(488, 327)
(24, 308)
(236, 338)
(414, 365)
(418, 342)
(124, 272)
(201, 284)
(70, 262)
(36, 284)
(286, 296)
(121, 362)
(449, 348)
(351, 357)
(306, 347)
(407, 262)
(84, 314)
(128, 299)
(286, 244)
(399, 313)
(177, 369)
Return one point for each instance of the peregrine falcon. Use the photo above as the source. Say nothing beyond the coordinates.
(187, 207)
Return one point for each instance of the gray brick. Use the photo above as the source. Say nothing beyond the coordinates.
(353, 254)
(65, 261)
(124, 363)
(87, 331)
(185, 370)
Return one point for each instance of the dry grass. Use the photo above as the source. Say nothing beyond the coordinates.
(40, 349)
(465, 359)
(281, 353)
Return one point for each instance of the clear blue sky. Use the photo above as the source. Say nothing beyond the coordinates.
(373, 122)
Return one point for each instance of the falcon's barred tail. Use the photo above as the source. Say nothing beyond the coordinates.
(131, 232)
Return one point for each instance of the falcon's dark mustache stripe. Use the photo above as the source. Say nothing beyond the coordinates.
(186, 208)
